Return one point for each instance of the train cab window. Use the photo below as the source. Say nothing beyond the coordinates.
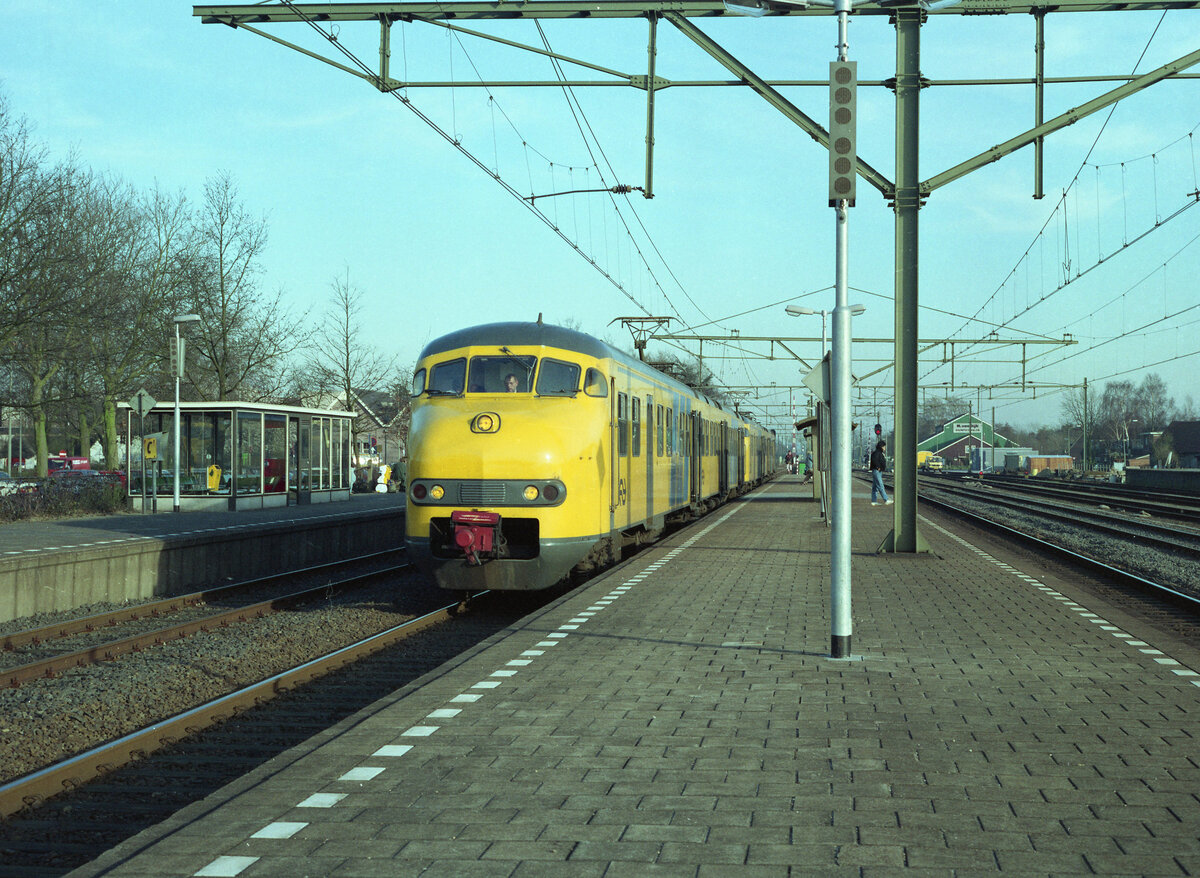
(636, 421)
(594, 383)
(447, 378)
(497, 374)
(659, 428)
(556, 378)
(418, 383)
(622, 424)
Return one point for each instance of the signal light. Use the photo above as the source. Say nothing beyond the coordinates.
(843, 123)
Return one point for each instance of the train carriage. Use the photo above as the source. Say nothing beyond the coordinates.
(536, 451)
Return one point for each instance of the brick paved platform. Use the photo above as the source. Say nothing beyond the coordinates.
(681, 717)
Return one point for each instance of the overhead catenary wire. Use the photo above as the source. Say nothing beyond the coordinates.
(455, 140)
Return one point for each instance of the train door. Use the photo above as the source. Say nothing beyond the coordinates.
(723, 459)
(651, 447)
(697, 425)
(620, 459)
(743, 438)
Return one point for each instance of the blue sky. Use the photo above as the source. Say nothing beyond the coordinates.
(739, 226)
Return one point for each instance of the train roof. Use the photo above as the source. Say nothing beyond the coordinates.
(547, 335)
(533, 334)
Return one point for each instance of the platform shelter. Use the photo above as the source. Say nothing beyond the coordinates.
(238, 455)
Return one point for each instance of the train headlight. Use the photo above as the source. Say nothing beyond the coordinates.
(437, 492)
(487, 422)
(530, 493)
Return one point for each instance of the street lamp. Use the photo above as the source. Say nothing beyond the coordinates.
(1132, 421)
(182, 318)
(800, 310)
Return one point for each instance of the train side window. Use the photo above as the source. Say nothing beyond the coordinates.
(659, 430)
(556, 378)
(636, 420)
(418, 382)
(670, 430)
(594, 383)
(622, 424)
(448, 377)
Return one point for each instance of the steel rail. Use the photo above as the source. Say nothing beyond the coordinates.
(1158, 535)
(85, 624)
(72, 773)
(1185, 507)
(1181, 599)
(51, 667)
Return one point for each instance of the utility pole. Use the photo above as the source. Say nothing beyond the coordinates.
(843, 112)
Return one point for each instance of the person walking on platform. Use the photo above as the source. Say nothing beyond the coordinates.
(878, 466)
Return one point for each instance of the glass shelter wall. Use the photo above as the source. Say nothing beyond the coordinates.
(250, 445)
(245, 451)
(275, 445)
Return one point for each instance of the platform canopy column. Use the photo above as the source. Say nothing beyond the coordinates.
(904, 536)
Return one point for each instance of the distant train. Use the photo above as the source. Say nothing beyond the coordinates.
(536, 451)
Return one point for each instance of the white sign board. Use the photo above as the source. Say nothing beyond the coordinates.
(142, 402)
(818, 381)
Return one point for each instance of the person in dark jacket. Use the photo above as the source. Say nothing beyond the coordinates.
(878, 466)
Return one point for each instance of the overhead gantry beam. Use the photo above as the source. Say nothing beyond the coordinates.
(1061, 121)
(773, 97)
(245, 13)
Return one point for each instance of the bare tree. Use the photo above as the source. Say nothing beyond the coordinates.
(244, 338)
(31, 192)
(56, 286)
(1154, 407)
(937, 411)
(1073, 410)
(342, 362)
(129, 344)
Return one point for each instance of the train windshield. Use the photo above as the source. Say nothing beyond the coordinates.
(505, 374)
(447, 378)
(557, 378)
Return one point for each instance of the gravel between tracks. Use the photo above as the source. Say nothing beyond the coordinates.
(45, 721)
(1180, 571)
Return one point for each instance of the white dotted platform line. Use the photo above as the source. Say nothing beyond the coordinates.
(1082, 611)
(232, 866)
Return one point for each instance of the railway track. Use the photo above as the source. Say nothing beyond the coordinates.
(1074, 510)
(72, 773)
(1156, 560)
(64, 814)
(1138, 501)
(49, 650)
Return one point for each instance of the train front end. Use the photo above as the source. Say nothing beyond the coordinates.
(506, 458)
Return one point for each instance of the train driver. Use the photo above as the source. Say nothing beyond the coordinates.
(510, 383)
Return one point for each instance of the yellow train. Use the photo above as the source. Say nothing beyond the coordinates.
(536, 451)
